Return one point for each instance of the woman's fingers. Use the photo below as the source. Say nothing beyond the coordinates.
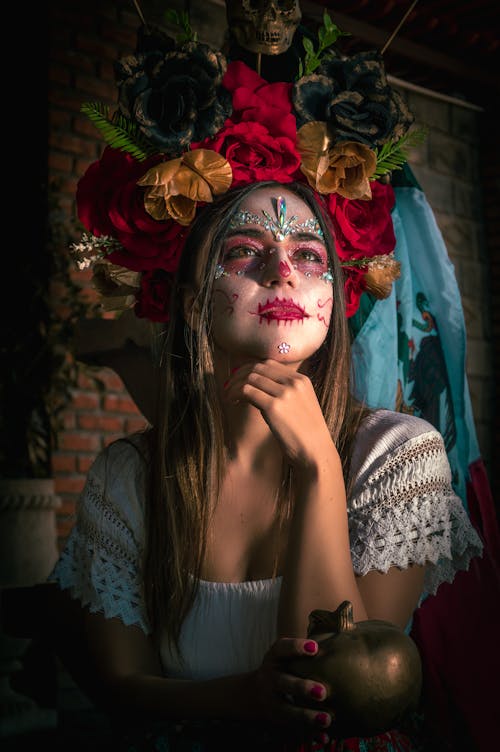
(291, 647)
(300, 691)
(278, 383)
(273, 370)
(306, 717)
(289, 405)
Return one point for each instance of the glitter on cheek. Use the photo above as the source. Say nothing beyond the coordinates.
(220, 272)
(240, 267)
(327, 276)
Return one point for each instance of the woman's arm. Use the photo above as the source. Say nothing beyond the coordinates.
(119, 669)
(392, 596)
(318, 572)
(319, 568)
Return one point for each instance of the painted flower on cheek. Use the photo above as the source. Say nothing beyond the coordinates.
(325, 307)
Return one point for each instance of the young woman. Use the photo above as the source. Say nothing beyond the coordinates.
(261, 492)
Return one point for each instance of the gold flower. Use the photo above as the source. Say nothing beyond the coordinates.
(115, 284)
(343, 168)
(382, 271)
(177, 185)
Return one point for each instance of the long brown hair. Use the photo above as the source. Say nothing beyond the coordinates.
(187, 441)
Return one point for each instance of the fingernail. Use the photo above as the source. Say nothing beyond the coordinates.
(224, 386)
(317, 692)
(322, 719)
(233, 370)
(310, 647)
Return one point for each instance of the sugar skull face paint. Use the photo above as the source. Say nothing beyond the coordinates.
(237, 257)
(279, 225)
(279, 292)
(284, 269)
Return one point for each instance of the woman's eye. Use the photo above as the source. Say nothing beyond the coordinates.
(242, 251)
(308, 255)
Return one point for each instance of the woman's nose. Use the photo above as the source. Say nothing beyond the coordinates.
(279, 270)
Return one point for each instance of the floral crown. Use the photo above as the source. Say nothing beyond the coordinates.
(192, 124)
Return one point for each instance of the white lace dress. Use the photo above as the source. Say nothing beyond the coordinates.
(402, 511)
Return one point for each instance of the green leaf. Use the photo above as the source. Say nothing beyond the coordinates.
(327, 36)
(183, 22)
(171, 16)
(393, 155)
(118, 131)
(308, 45)
(327, 21)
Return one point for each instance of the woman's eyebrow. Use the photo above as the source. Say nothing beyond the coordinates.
(307, 236)
(253, 232)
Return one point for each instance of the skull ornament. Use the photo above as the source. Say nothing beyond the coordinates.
(263, 26)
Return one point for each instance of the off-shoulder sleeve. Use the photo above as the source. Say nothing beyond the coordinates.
(403, 509)
(101, 562)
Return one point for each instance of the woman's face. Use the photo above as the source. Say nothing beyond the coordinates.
(272, 296)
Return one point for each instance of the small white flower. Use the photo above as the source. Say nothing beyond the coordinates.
(284, 348)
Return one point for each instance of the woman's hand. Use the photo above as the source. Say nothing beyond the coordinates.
(289, 406)
(284, 699)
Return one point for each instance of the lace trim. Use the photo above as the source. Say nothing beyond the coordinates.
(419, 466)
(406, 513)
(100, 562)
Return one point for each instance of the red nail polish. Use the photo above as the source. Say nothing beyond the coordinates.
(310, 647)
(317, 692)
(224, 386)
(322, 719)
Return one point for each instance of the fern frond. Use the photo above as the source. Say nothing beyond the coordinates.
(118, 131)
(392, 155)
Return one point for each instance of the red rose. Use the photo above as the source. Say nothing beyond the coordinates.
(363, 228)
(153, 299)
(354, 287)
(259, 139)
(110, 202)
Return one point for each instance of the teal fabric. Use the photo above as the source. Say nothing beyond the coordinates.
(409, 349)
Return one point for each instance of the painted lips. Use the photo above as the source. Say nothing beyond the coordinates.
(281, 309)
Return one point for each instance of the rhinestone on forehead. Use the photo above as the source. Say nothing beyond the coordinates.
(280, 227)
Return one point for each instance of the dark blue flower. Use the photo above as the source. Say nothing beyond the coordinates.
(174, 97)
(354, 97)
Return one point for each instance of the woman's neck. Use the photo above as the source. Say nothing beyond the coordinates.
(248, 437)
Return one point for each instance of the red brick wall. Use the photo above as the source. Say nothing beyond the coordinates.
(85, 38)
